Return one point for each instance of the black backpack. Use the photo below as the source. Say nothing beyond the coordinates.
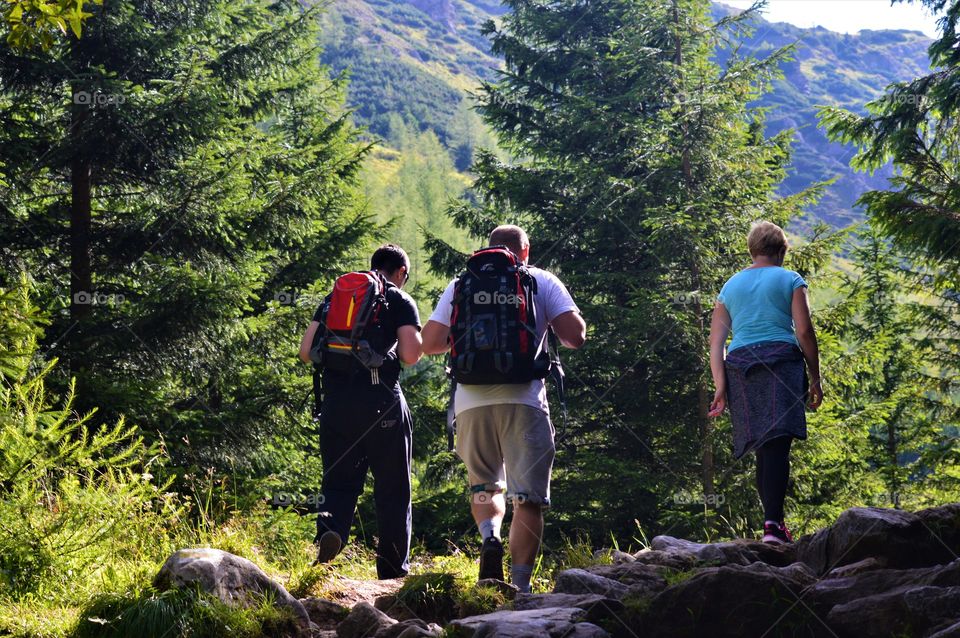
(493, 328)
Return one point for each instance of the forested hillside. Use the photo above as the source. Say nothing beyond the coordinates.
(420, 58)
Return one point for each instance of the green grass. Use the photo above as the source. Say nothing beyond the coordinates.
(180, 612)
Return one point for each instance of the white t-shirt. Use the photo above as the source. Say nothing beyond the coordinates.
(551, 300)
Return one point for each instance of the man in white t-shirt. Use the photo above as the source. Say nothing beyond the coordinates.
(504, 434)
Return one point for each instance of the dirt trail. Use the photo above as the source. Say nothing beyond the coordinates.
(348, 592)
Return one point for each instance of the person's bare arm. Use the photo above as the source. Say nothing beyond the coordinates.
(435, 338)
(409, 345)
(307, 341)
(807, 337)
(571, 329)
(719, 330)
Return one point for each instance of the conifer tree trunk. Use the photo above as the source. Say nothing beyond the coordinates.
(81, 280)
(705, 425)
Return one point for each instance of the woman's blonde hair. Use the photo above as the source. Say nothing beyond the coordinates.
(766, 238)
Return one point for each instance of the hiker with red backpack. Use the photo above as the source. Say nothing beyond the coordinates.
(494, 321)
(361, 333)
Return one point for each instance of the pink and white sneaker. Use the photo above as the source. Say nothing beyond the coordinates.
(776, 534)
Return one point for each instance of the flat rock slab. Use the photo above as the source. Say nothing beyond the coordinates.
(552, 622)
(597, 607)
(234, 580)
(735, 552)
(580, 581)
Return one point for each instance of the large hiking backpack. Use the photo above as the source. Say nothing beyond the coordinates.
(344, 340)
(493, 328)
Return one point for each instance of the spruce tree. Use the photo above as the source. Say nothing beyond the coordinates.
(914, 124)
(175, 178)
(642, 170)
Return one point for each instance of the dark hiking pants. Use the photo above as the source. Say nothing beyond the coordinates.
(368, 427)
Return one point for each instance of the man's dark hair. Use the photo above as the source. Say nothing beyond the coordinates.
(389, 258)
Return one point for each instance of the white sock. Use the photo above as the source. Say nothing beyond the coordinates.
(520, 576)
(489, 527)
(771, 523)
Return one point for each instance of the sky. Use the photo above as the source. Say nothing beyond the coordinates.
(846, 16)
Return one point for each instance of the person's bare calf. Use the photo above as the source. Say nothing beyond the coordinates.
(526, 530)
(492, 507)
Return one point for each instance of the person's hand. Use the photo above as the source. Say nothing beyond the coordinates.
(719, 403)
(815, 394)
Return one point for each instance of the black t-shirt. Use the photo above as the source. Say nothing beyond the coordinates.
(400, 310)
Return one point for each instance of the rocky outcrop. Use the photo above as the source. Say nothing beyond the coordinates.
(874, 573)
(899, 539)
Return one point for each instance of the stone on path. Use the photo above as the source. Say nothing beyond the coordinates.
(234, 580)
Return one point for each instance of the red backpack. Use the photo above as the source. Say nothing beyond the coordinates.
(343, 342)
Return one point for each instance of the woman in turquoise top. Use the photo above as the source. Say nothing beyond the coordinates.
(763, 379)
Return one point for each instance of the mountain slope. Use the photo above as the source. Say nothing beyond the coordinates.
(832, 69)
(416, 60)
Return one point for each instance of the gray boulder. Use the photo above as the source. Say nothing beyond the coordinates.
(832, 591)
(731, 601)
(586, 630)
(326, 614)
(736, 552)
(412, 628)
(671, 558)
(580, 581)
(234, 580)
(364, 621)
(615, 555)
(858, 567)
(639, 578)
(900, 539)
(953, 631)
(912, 611)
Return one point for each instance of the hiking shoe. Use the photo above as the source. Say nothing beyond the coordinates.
(491, 559)
(775, 534)
(328, 547)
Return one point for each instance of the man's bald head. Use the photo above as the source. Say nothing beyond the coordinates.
(513, 237)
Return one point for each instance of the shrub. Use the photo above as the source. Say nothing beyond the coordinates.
(68, 489)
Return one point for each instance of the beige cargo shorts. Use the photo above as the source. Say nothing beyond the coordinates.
(507, 446)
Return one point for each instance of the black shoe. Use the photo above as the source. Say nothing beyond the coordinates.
(328, 546)
(491, 559)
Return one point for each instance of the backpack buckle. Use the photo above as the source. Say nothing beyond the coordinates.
(503, 361)
(465, 362)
